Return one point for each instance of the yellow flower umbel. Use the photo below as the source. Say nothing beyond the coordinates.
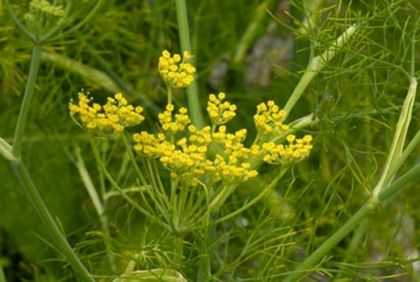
(174, 125)
(220, 112)
(192, 153)
(112, 117)
(268, 119)
(297, 149)
(177, 72)
(213, 155)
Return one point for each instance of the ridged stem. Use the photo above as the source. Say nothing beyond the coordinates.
(316, 65)
(30, 188)
(100, 206)
(26, 102)
(185, 41)
(56, 234)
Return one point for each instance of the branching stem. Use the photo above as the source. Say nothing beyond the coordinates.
(316, 65)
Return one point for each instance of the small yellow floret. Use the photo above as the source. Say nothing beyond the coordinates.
(177, 72)
(172, 125)
(114, 116)
(296, 150)
(268, 119)
(220, 112)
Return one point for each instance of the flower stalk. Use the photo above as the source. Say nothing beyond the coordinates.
(316, 65)
(99, 205)
(26, 103)
(185, 42)
(391, 167)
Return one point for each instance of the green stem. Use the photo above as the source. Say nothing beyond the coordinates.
(57, 26)
(316, 65)
(227, 190)
(26, 181)
(192, 90)
(74, 27)
(204, 270)
(395, 187)
(169, 95)
(129, 148)
(2, 277)
(179, 250)
(116, 186)
(20, 25)
(398, 141)
(51, 226)
(88, 183)
(354, 221)
(268, 189)
(99, 206)
(26, 103)
(102, 168)
(221, 197)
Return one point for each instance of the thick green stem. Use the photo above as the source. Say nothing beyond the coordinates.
(192, 90)
(354, 221)
(399, 139)
(51, 226)
(316, 65)
(26, 181)
(398, 162)
(24, 109)
(383, 190)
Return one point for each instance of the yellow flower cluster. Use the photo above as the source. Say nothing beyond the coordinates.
(211, 153)
(234, 161)
(114, 116)
(297, 149)
(177, 72)
(268, 119)
(221, 156)
(220, 112)
(172, 125)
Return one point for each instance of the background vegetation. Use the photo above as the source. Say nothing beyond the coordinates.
(254, 51)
